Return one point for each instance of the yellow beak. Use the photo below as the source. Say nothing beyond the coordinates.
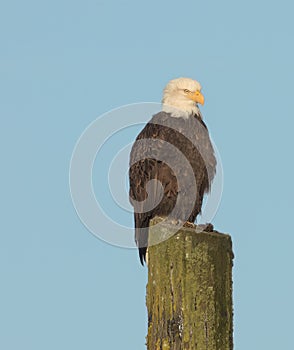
(197, 97)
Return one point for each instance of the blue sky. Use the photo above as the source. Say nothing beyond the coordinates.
(63, 64)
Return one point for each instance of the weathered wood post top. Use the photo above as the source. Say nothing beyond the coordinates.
(189, 290)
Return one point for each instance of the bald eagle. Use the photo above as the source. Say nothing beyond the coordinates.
(172, 162)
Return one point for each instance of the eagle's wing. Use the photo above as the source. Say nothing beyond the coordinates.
(145, 194)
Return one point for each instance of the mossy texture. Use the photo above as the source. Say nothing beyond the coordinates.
(189, 291)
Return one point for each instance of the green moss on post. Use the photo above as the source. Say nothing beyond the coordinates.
(189, 291)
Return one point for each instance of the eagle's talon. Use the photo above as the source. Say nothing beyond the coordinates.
(205, 227)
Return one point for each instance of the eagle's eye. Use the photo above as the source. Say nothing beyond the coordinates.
(186, 91)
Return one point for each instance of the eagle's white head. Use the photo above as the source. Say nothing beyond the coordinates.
(181, 96)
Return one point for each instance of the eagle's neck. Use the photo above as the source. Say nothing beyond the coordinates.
(181, 110)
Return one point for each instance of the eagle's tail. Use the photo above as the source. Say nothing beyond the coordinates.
(142, 255)
(141, 236)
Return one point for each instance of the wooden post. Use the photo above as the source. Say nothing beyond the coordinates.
(189, 291)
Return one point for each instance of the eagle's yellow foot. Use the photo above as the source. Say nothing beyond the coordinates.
(189, 224)
(174, 221)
